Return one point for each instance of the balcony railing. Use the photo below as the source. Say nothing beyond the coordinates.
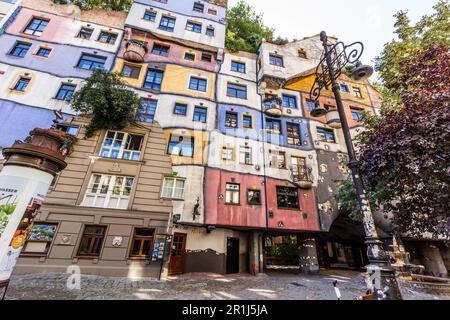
(135, 50)
(301, 176)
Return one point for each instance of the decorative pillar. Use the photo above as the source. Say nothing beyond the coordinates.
(307, 251)
(255, 253)
(28, 172)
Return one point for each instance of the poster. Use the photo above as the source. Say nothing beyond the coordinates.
(158, 248)
(8, 203)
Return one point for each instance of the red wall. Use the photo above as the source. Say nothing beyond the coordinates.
(292, 219)
(243, 215)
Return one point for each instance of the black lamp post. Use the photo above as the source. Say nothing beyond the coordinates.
(335, 58)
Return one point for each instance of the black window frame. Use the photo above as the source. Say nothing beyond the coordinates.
(22, 48)
(85, 33)
(274, 60)
(92, 62)
(47, 50)
(107, 37)
(200, 114)
(169, 23)
(37, 30)
(153, 85)
(289, 98)
(259, 198)
(161, 49)
(234, 91)
(234, 115)
(66, 94)
(151, 14)
(197, 84)
(279, 193)
(237, 66)
(199, 7)
(180, 105)
(194, 26)
(290, 134)
(146, 112)
(94, 235)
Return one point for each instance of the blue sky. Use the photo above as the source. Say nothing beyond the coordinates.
(369, 21)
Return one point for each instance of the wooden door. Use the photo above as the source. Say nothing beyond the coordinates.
(176, 263)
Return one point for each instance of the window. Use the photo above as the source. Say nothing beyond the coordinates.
(121, 145)
(199, 7)
(193, 26)
(245, 155)
(277, 159)
(236, 91)
(254, 197)
(180, 109)
(276, 60)
(357, 92)
(210, 31)
(130, 71)
(20, 49)
(107, 191)
(85, 33)
(302, 54)
(142, 243)
(66, 91)
(344, 88)
(153, 79)
(167, 23)
(287, 198)
(207, 57)
(149, 15)
(173, 188)
(73, 130)
(43, 52)
(231, 120)
(237, 66)
(189, 56)
(293, 134)
(247, 121)
(356, 114)
(227, 153)
(39, 238)
(22, 84)
(36, 27)
(181, 146)
(232, 193)
(212, 11)
(289, 101)
(273, 126)
(310, 105)
(147, 111)
(89, 62)
(161, 50)
(326, 135)
(92, 241)
(299, 170)
(198, 84)
(200, 114)
(107, 37)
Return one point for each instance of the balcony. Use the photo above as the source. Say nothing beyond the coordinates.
(135, 50)
(301, 177)
(272, 105)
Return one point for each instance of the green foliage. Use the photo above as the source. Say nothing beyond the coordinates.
(246, 29)
(107, 100)
(6, 210)
(412, 39)
(115, 5)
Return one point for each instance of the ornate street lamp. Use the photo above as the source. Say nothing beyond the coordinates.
(334, 59)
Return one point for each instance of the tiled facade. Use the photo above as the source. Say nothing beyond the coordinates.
(237, 154)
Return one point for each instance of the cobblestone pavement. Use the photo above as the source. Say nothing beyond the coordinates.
(204, 286)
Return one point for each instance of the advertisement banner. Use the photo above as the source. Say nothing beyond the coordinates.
(10, 194)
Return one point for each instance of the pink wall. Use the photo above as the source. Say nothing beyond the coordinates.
(176, 52)
(243, 215)
(293, 219)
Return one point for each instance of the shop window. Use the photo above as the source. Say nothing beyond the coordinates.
(39, 238)
(92, 241)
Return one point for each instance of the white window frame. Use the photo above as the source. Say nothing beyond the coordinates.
(121, 149)
(173, 188)
(232, 189)
(107, 183)
(243, 151)
(227, 153)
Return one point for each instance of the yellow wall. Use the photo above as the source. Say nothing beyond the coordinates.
(176, 79)
(200, 145)
(306, 83)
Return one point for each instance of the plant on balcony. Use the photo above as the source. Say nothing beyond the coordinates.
(107, 100)
(116, 5)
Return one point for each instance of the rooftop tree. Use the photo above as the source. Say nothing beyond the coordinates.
(116, 5)
(107, 100)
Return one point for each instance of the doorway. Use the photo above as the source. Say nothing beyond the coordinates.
(176, 263)
(232, 255)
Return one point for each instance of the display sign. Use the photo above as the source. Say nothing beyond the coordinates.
(161, 248)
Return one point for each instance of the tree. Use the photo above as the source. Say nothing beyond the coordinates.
(107, 100)
(115, 5)
(407, 152)
(246, 29)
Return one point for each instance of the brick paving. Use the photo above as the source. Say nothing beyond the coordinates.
(203, 286)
